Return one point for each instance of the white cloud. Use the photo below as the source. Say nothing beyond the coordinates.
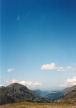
(60, 69)
(0, 83)
(52, 66)
(69, 82)
(29, 84)
(11, 69)
(69, 68)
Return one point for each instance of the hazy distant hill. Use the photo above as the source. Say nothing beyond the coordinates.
(51, 96)
(41, 93)
(69, 96)
(54, 96)
(18, 93)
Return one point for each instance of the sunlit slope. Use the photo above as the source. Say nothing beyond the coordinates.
(37, 105)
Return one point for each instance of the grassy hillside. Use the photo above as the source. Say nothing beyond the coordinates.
(37, 105)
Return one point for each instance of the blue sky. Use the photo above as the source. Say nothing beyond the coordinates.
(35, 33)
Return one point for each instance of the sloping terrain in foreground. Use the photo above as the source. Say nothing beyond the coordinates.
(37, 105)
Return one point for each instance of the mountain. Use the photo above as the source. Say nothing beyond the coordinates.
(69, 96)
(18, 93)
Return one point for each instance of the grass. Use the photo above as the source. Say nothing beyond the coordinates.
(37, 105)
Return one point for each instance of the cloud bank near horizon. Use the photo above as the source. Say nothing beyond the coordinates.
(69, 82)
(29, 84)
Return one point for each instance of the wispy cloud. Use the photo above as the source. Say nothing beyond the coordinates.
(11, 69)
(69, 82)
(52, 66)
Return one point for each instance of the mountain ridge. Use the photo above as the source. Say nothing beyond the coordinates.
(18, 93)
